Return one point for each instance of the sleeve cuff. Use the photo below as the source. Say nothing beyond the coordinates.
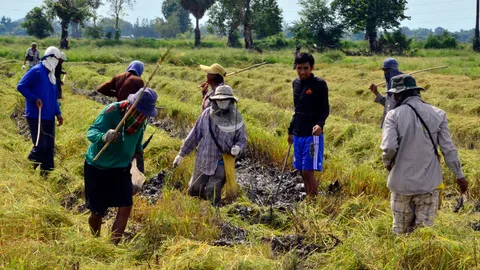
(378, 98)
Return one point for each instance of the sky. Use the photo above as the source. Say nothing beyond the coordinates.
(449, 14)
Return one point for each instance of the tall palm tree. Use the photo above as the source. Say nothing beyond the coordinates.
(198, 9)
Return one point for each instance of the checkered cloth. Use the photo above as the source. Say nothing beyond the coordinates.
(413, 211)
(134, 121)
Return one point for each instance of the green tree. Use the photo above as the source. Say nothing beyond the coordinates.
(172, 10)
(69, 11)
(370, 15)
(267, 18)
(318, 25)
(117, 7)
(197, 8)
(37, 23)
(225, 18)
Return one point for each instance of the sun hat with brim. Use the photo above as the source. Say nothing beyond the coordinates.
(223, 92)
(403, 83)
(214, 69)
(147, 103)
(63, 56)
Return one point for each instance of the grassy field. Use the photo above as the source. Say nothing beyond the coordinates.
(39, 231)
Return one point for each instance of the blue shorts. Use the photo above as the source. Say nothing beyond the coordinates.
(308, 153)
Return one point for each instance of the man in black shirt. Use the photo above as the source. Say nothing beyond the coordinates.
(310, 97)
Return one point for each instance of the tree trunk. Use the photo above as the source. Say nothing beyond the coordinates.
(372, 39)
(476, 40)
(64, 37)
(247, 26)
(197, 33)
(117, 31)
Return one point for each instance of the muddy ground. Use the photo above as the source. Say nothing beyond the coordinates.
(259, 182)
(20, 121)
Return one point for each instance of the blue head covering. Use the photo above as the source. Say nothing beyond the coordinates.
(392, 65)
(136, 66)
(147, 103)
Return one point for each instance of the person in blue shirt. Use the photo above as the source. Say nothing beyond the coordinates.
(39, 88)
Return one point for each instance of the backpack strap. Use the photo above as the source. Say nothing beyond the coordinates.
(428, 130)
(213, 134)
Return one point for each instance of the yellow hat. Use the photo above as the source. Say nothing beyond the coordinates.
(214, 69)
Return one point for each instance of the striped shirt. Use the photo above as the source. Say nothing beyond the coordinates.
(208, 154)
(407, 146)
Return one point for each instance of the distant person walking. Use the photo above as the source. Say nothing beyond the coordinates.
(39, 88)
(32, 56)
(215, 78)
(108, 180)
(310, 98)
(390, 69)
(124, 84)
(295, 53)
(219, 131)
(413, 130)
(59, 72)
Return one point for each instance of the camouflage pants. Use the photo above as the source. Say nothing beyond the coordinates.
(413, 211)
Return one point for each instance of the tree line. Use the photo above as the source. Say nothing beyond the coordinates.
(322, 24)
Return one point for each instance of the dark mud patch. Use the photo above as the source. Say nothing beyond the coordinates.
(475, 226)
(74, 202)
(21, 123)
(93, 95)
(274, 218)
(301, 245)
(230, 236)
(152, 190)
(260, 184)
(169, 126)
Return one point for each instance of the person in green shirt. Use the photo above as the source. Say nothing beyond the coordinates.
(108, 180)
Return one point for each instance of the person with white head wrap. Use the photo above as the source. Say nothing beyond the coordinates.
(50, 61)
(38, 86)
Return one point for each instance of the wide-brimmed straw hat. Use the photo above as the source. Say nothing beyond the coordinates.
(223, 92)
(214, 69)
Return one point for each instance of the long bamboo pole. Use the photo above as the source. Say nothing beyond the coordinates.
(162, 59)
(416, 72)
(243, 70)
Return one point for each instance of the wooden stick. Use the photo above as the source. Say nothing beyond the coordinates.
(245, 69)
(415, 72)
(65, 75)
(39, 125)
(162, 59)
(242, 70)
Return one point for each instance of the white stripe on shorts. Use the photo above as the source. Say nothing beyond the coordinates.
(315, 157)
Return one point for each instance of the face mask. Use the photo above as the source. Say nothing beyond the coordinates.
(223, 104)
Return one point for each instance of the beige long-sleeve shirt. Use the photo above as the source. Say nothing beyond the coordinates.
(406, 145)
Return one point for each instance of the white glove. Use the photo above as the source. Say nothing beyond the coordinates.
(110, 136)
(235, 150)
(177, 161)
(23, 67)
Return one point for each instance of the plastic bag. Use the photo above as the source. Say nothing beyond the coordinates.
(138, 178)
